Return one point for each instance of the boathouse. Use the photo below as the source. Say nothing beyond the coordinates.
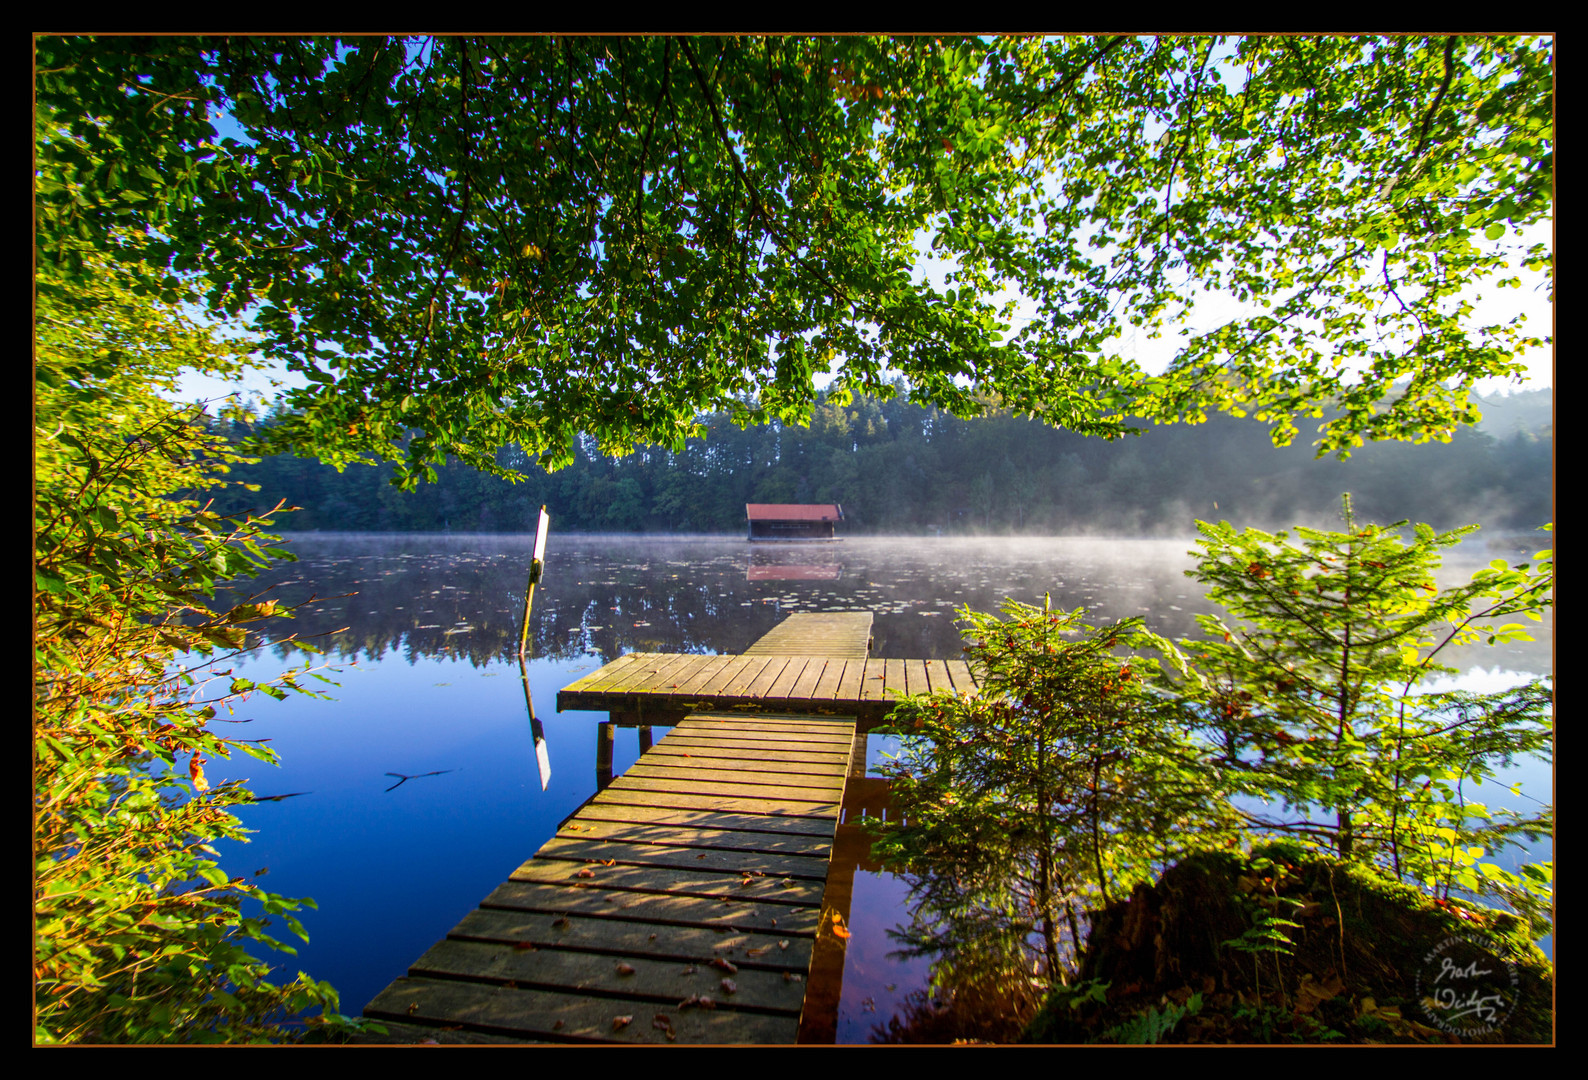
(793, 521)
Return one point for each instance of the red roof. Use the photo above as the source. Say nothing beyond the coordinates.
(793, 512)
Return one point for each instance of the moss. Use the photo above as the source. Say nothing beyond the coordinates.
(1283, 945)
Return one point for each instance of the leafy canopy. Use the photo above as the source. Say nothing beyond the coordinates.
(476, 242)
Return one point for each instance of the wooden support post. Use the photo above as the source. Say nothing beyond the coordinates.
(606, 739)
(645, 737)
(857, 754)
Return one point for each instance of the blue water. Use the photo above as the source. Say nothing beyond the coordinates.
(427, 686)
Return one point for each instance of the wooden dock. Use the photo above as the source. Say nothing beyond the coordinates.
(683, 903)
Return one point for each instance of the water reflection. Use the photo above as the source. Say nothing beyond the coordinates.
(424, 630)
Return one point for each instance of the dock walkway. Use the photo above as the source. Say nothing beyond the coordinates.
(683, 902)
(839, 635)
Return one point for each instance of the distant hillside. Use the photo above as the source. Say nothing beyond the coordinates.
(898, 467)
(1506, 414)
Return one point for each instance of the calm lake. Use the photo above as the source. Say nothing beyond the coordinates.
(422, 630)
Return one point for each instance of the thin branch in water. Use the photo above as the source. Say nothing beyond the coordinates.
(406, 778)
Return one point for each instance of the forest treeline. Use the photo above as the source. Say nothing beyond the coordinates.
(900, 468)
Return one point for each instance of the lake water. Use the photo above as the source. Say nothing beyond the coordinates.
(423, 630)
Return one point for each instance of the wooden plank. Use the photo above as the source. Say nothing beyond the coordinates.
(784, 686)
(768, 792)
(660, 909)
(671, 879)
(738, 720)
(748, 677)
(768, 718)
(741, 782)
(697, 675)
(722, 803)
(617, 852)
(804, 760)
(959, 672)
(874, 681)
(651, 673)
(786, 672)
(700, 734)
(760, 824)
(737, 772)
(716, 685)
(805, 687)
(548, 1015)
(632, 975)
(747, 747)
(915, 679)
(689, 740)
(716, 759)
(832, 678)
(768, 950)
(815, 728)
(602, 675)
(693, 836)
(849, 686)
(895, 684)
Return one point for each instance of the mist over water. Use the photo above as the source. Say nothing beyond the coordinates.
(424, 628)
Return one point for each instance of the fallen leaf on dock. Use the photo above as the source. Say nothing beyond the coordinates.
(625, 969)
(586, 872)
(729, 986)
(725, 965)
(621, 1022)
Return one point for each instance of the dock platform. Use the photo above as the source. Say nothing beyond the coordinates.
(660, 688)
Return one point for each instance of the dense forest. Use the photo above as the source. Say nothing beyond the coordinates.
(898, 467)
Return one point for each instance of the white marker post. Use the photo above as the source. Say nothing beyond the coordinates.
(537, 566)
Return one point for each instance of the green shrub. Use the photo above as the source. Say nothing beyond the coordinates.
(139, 934)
